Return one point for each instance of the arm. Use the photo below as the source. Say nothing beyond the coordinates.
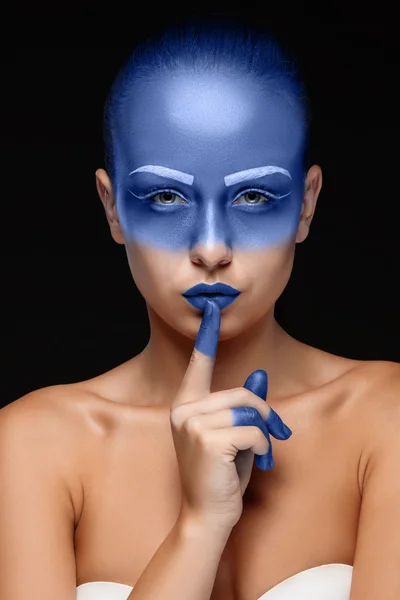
(376, 569)
(37, 560)
(185, 565)
(38, 483)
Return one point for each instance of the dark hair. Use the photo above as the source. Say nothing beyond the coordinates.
(207, 44)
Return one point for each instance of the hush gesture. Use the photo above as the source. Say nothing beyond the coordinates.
(217, 434)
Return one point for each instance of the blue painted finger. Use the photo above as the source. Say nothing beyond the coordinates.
(276, 426)
(207, 336)
(257, 383)
(248, 415)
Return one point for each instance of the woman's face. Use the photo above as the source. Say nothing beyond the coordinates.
(209, 188)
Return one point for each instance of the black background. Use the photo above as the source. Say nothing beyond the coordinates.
(70, 309)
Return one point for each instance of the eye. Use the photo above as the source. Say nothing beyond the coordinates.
(253, 197)
(165, 198)
(258, 196)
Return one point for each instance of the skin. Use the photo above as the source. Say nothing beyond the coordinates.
(257, 383)
(210, 231)
(332, 499)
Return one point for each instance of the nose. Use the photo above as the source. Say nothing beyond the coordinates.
(211, 255)
(211, 242)
(211, 239)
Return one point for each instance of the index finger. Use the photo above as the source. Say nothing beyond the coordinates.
(197, 379)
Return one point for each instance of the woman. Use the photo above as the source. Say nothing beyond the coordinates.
(151, 490)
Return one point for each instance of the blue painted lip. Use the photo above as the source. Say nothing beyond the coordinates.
(215, 288)
(223, 300)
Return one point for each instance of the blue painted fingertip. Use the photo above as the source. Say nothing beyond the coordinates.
(276, 426)
(208, 334)
(266, 462)
(248, 415)
(257, 382)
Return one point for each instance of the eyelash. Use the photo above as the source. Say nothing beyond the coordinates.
(269, 197)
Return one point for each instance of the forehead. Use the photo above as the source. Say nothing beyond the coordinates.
(193, 121)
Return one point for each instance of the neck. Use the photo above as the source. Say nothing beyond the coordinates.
(265, 345)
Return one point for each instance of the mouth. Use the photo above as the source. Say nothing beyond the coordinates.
(222, 294)
(208, 294)
(216, 289)
(199, 300)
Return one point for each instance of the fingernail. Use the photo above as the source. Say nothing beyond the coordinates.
(286, 430)
(276, 426)
(267, 461)
(208, 334)
(208, 309)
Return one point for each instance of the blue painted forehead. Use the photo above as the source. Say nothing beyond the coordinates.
(206, 46)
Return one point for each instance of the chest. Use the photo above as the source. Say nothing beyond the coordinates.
(301, 514)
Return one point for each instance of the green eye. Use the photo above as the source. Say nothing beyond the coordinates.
(258, 196)
(165, 198)
(253, 198)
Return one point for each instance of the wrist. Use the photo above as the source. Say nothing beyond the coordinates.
(202, 527)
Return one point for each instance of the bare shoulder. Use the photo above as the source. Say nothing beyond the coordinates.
(56, 409)
(377, 380)
(372, 394)
(57, 423)
(375, 387)
(68, 410)
(378, 383)
(364, 395)
(360, 390)
(324, 368)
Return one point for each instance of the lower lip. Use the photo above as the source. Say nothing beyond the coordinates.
(199, 301)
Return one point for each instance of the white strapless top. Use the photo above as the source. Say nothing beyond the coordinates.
(325, 582)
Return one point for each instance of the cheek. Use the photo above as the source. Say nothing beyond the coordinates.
(269, 270)
(153, 271)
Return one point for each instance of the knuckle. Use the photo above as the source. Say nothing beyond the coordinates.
(261, 405)
(238, 392)
(249, 395)
(261, 439)
(205, 440)
(250, 398)
(260, 435)
(193, 424)
(252, 413)
(175, 416)
(263, 409)
(267, 443)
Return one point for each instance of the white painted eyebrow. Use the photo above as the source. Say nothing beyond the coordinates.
(254, 173)
(165, 172)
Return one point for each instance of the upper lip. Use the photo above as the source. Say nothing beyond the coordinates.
(216, 288)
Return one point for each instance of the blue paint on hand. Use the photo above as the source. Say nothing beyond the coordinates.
(257, 382)
(207, 336)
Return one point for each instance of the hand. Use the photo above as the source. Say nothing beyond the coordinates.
(216, 435)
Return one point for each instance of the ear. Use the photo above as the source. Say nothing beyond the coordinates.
(105, 191)
(312, 188)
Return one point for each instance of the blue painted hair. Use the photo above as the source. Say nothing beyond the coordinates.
(207, 44)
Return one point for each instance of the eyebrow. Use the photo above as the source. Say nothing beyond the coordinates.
(254, 173)
(231, 179)
(165, 172)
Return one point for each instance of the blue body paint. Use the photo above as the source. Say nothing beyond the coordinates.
(257, 383)
(207, 336)
(180, 159)
(206, 139)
